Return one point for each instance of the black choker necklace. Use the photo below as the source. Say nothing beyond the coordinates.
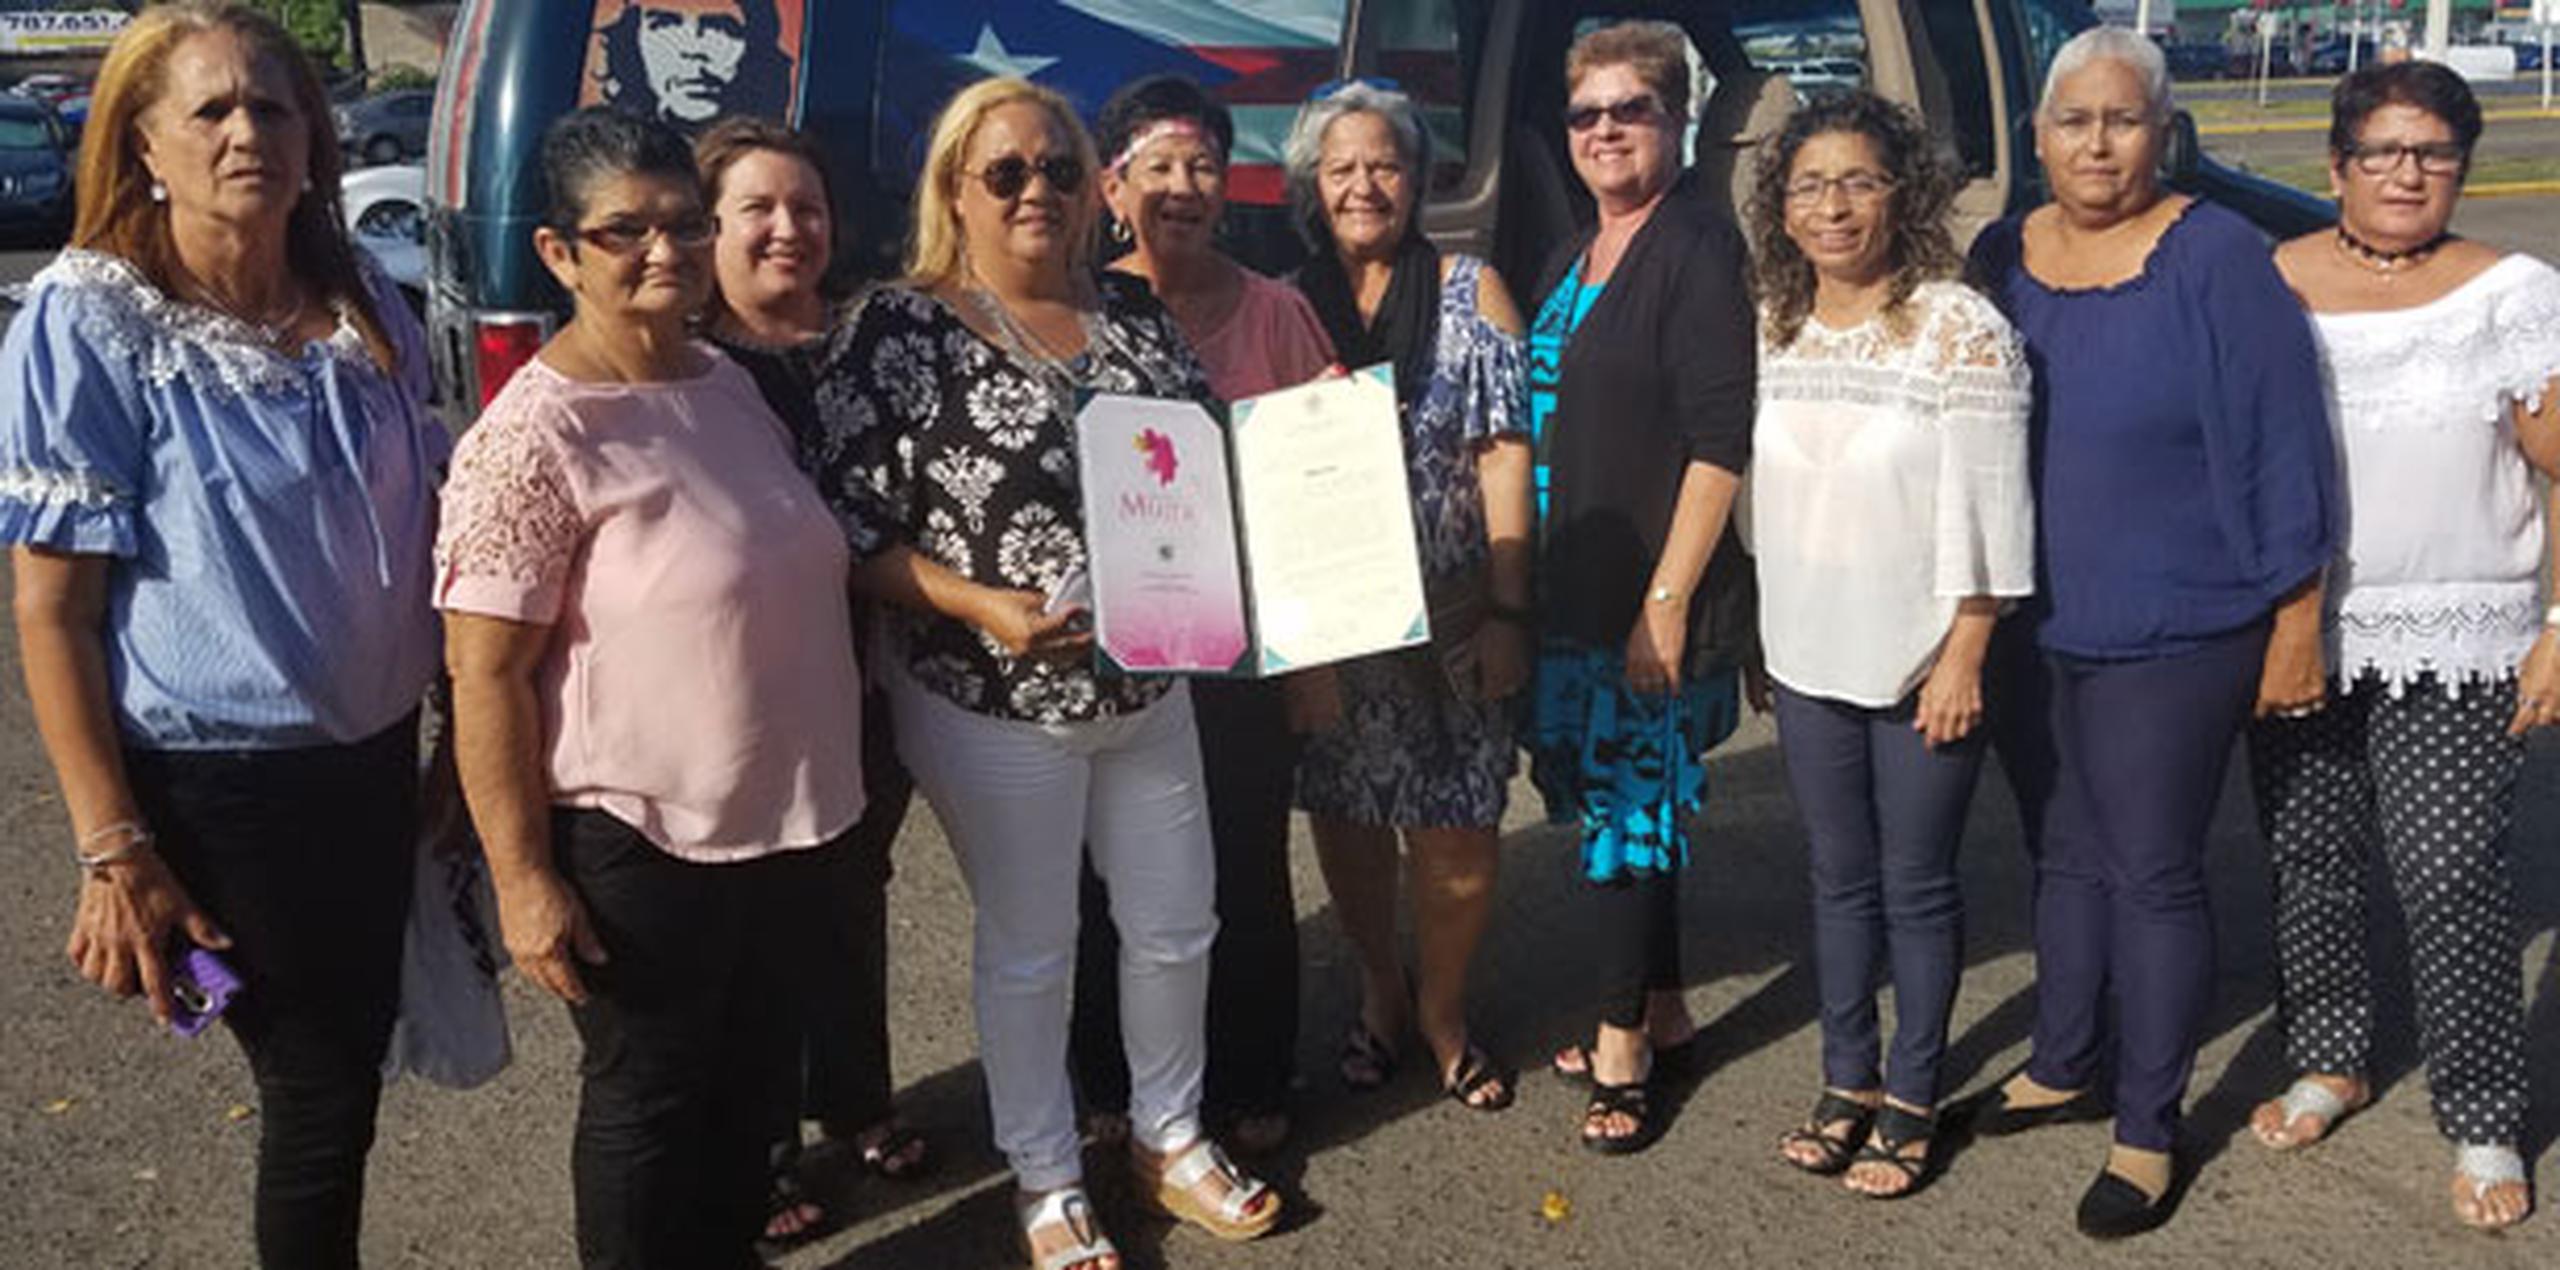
(2387, 263)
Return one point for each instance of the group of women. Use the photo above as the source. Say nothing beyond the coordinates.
(727, 552)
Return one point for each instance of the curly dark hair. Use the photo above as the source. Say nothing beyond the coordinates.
(1925, 180)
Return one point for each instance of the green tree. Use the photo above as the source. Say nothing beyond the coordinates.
(319, 26)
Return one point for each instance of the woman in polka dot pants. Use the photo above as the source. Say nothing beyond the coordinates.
(2441, 356)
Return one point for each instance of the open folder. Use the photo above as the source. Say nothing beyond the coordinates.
(1266, 537)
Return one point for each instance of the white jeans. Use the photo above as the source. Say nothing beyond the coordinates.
(1021, 803)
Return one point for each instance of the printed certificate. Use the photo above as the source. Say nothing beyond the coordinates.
(1279, 539)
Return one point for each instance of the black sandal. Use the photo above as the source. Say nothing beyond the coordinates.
(1895, 1131)
(1369, 1050)
(887, 1156)
(1670, 1062)
(785, 1196)
(1837, 1152)
(1634, 1100)
(1476, 1069)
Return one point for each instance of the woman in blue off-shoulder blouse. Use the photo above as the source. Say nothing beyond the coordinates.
(217, 483)
(2185, 503)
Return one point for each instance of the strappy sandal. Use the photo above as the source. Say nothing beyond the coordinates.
(1572, 1064)
(1476, 1071)
(2308, 1097)
(1895, 1131)
(2481, 1169)
(1368, 1061)
(1837, 1152)
(899, 1155)
(1065, 1209)
(785, 1198)
(1174, 1188)
(1633, 1100)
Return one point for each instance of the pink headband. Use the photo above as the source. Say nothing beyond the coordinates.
(1164, 129)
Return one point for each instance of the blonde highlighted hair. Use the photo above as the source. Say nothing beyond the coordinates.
(938, 253)
(114, 212)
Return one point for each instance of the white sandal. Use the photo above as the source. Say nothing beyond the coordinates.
(1067, 1208)
(1173, 1189)
(2485, 1168)
(2308, 1097)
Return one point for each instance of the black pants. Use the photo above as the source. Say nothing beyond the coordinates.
(689, 1028)
(1250, 760)
(303, 857)
(1637, 942)
(845, 1080)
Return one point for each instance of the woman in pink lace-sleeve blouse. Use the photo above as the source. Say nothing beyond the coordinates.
(654, 704)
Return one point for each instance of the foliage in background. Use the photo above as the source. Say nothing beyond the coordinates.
(402, 75)
(320, 26)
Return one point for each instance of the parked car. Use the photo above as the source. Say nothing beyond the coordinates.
(35, 170)
(865, 77)
(386, 127)
(51, 87)
(386, 211)
(2197, 59)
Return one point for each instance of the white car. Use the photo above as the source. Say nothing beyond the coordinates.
(387, 215)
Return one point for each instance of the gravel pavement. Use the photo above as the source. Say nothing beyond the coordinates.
(121, 1147)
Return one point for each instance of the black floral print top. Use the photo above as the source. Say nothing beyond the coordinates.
(930, 436)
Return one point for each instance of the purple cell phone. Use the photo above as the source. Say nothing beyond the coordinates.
(200, 987)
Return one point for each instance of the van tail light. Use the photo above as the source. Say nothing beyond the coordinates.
(500, 346)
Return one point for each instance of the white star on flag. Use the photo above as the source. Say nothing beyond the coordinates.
(994, 58)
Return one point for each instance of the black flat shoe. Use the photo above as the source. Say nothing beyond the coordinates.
(1993, 1117)
(2113, 1208)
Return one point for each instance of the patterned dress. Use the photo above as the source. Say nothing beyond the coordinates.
(1407, 752)
(1629, 768)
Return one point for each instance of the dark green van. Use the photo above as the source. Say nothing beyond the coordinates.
(865, 77)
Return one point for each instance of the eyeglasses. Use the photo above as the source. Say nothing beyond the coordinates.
(1626, 113)
(630, 237)
(2435, 158)
(1008, 177)
(1857, 187)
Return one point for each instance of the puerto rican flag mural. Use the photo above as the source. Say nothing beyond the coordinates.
(1261, 57)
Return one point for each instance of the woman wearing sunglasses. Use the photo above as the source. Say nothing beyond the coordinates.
(1641, 360)
(945, 444)
(655, 703)
(1166, 186)
(2443, 359)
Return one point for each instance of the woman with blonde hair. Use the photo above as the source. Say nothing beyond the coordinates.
(219, 485)
(944, 443)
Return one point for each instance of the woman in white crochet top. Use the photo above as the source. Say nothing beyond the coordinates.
(2443, 364)
(1889, 514)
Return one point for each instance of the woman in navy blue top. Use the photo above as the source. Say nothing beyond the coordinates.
(2184, 491)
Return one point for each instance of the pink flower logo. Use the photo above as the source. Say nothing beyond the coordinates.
(1158, 449)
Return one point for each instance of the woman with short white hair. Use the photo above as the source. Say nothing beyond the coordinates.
(2183, 520)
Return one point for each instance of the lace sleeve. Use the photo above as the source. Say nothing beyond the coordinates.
(74, 447)
(2529, 338)
(511, 526)
(1986, 521)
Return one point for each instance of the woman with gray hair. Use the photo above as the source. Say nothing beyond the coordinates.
(1418, 741)
(2151, 650)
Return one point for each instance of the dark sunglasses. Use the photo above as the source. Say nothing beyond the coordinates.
(1008, 177)
(1626, 113)
(630, 237)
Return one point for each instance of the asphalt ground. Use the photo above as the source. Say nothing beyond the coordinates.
(123, 1147)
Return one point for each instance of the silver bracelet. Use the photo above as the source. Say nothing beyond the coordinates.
(90, 862)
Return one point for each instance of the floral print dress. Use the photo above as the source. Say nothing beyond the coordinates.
(1407, 752)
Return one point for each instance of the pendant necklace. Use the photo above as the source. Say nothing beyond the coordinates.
(2385, 264)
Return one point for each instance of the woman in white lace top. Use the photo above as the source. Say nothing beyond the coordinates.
(2443, 364)
(1888, 514)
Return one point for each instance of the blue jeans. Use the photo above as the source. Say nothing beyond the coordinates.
(1883, 815)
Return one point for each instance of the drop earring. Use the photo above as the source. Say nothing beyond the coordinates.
(159, 192)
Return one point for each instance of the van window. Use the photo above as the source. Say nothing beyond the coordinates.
(1431, 49)
(1261, 57)
(689, 62)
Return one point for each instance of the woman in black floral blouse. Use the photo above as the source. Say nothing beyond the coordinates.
(944, 444)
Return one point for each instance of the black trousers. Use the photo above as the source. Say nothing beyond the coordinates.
(1250, 760)
(303, 857)
(845, 1079)
(690, 1028)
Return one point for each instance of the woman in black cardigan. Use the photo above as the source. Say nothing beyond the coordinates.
(1641, 384)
